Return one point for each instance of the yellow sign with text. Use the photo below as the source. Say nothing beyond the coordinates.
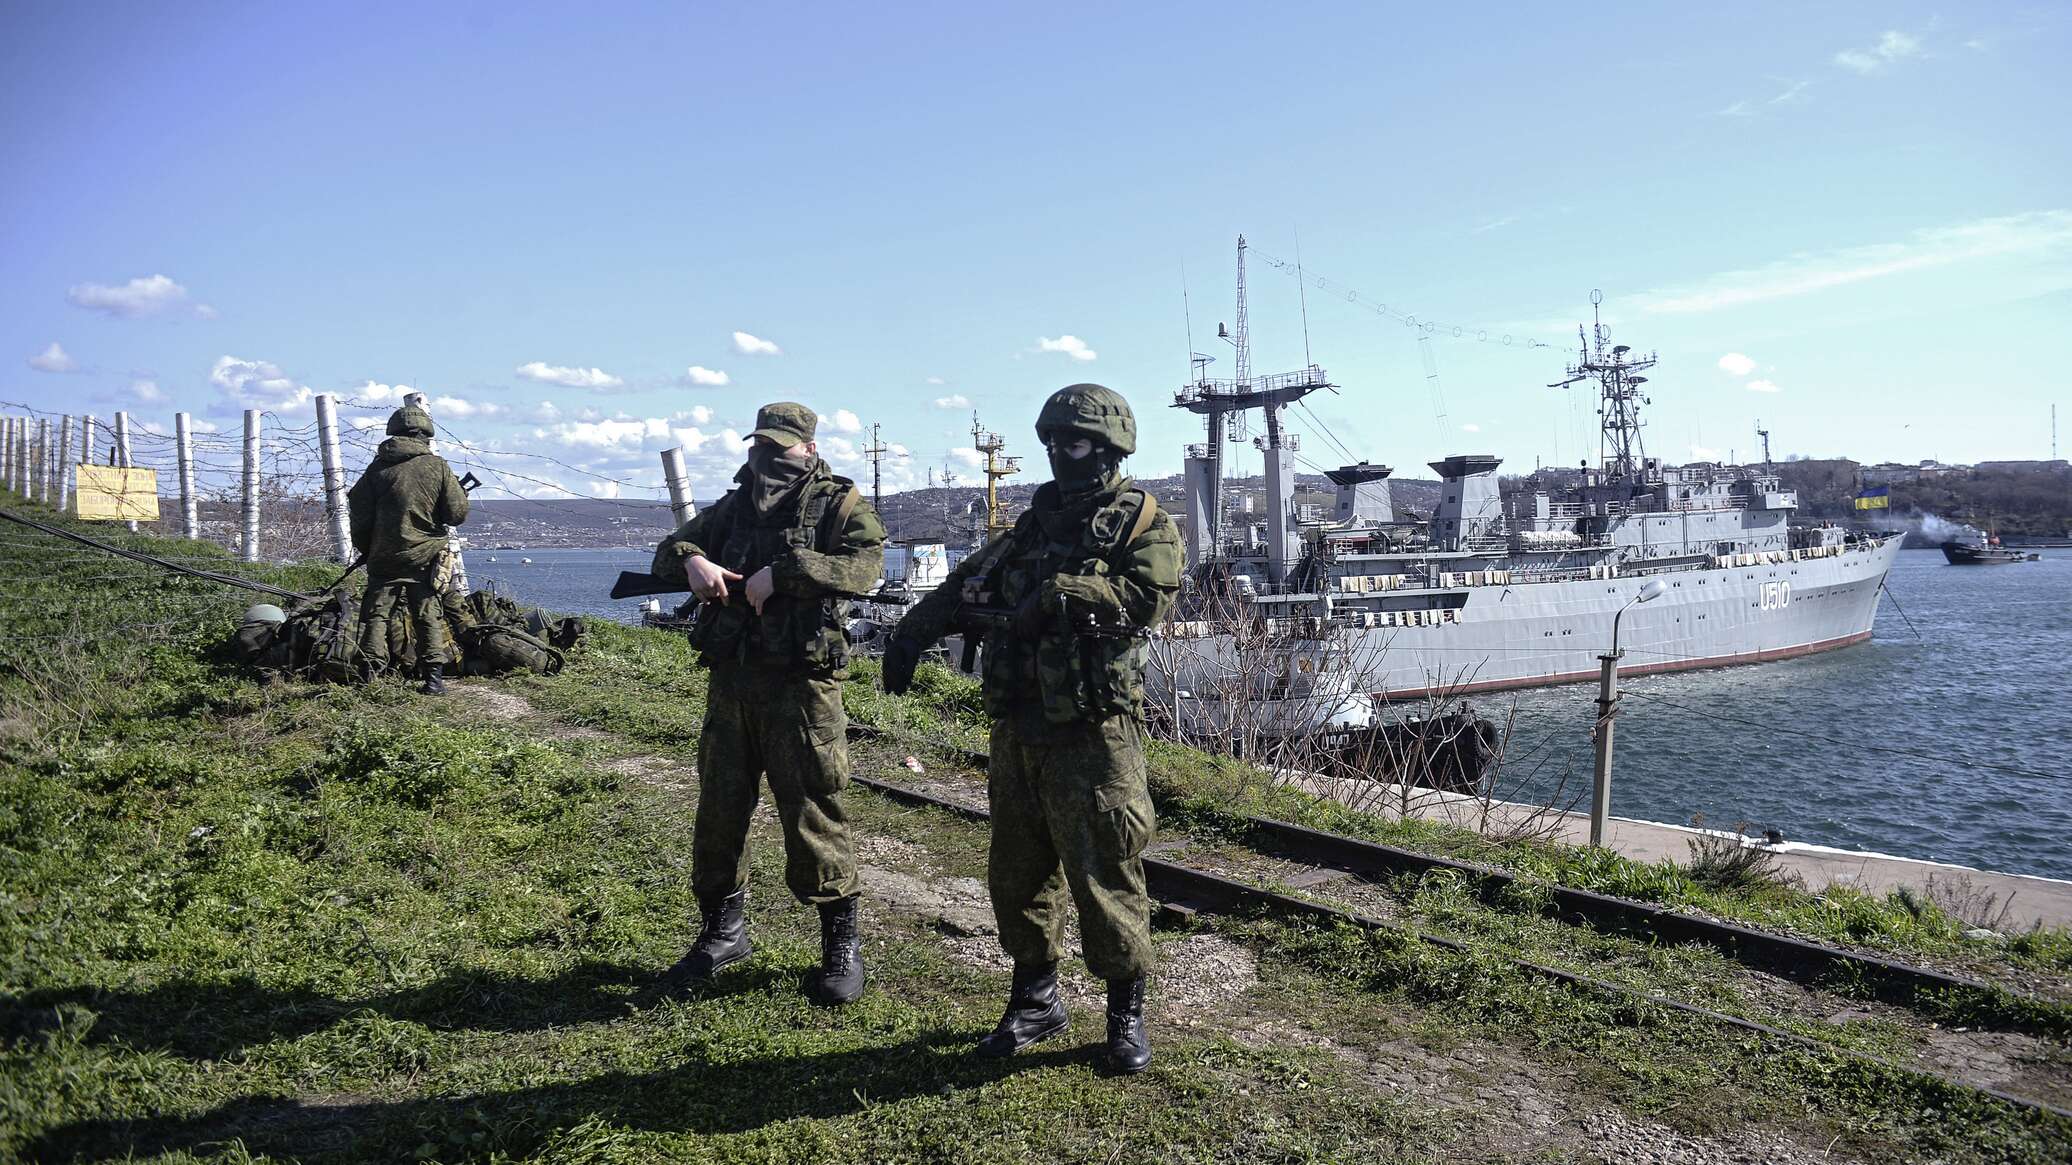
(115, 494)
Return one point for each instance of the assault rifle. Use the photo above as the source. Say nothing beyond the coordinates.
(1074, 618)
(635, 583)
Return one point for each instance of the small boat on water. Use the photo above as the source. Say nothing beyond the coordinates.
(1987, 553)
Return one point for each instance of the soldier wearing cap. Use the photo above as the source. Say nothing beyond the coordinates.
(1086, 570)
(773, 562)
(399, 512)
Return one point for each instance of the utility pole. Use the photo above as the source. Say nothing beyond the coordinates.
(1607, 712)
(997, 467)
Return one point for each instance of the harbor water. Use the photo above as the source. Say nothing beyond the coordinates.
(1948, 737)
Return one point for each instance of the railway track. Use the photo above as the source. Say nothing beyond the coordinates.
(1187, 888)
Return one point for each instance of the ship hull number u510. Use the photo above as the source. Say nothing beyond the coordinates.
(1775, 596)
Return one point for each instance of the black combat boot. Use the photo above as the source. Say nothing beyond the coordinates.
(722, 940)
(1034, 1012)
(434, 679)
(1129, 1047)
(840, 977)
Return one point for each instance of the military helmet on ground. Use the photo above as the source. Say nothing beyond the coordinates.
(1092, 410)
(411, 419)
(265, 613)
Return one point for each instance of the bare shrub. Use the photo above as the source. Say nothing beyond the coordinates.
(1723, 861)
(1970, 903)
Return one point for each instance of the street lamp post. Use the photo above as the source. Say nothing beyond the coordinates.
(1607, 709)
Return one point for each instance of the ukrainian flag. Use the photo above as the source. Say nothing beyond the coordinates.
(1878, 497)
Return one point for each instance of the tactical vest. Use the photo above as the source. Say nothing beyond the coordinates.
(1075, 677)
(791, 632)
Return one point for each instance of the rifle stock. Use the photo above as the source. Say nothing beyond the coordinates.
(634, 583)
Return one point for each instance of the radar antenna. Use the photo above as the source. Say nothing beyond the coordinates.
(1619, 449)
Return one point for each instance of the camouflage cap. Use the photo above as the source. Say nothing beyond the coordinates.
(786, 422)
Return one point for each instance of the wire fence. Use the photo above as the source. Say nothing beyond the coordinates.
(265, 493)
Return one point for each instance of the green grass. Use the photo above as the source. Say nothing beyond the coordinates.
(357, 923)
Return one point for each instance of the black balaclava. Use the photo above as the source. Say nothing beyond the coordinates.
(1083, 478)
(773, 476)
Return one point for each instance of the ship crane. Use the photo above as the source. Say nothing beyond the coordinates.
(1222, 404)
(1618, 411)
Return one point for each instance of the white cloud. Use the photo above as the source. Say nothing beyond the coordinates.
(1071, 346)
(710, 377)
(696, 414)
(1891, 48)
(545, 413)
(1471, 428)
(1790, 95)
(1493, 224)
(372, 393)
(54, 359)
(969, 457)
(1763, 386)
(604, 489)
(365, 423)
(844, 421)
(749, 345)
(143, 296)
(955, 400)
(568, 377)
(2019, 234)
(1738, 109)
(453, 406)
(258, 384)
(1701, 453)
(146, 390)
(1735, 364)
(937, 380)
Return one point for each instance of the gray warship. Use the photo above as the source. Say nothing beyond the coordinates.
(1299, 624)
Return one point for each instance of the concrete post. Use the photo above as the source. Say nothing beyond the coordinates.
(248, 547)
(122, 451)
(334, 479)
(43, 460)
(679, 480)
(7, 452)
(1607, 713)
(190, 506)
(65, 463)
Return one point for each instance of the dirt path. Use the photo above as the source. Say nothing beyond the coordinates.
(1505, 1104)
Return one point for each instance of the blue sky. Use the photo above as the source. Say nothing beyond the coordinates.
(1853, 221)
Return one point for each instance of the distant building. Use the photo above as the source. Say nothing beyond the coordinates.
(2058, 465)
(1892, 472)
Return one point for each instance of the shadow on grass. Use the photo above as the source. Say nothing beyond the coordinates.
(211, 1021)
(698, 1098)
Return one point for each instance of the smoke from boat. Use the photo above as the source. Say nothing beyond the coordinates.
(1940, 530)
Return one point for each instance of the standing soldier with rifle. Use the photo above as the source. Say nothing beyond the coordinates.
(1064, 601)
(399, 512)
(773, 562)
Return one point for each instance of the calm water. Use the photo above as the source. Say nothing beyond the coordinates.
(1952, 745)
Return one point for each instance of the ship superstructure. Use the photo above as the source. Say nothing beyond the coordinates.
(1498, 587)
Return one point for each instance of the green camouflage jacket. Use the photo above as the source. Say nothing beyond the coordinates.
(401, 508)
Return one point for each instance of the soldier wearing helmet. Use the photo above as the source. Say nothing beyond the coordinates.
(1086, 570)
(400, 512)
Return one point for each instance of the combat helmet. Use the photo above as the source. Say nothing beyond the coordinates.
(1092, 410)
(411, 419)
(265, 613)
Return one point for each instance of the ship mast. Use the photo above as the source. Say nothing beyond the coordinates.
(997, 467)
(1619, 449)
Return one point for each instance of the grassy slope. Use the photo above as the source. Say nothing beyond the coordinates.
(355, 922)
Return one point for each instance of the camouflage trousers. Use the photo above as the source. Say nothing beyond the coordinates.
(1071, 810)
(791, 728)
(418, 598)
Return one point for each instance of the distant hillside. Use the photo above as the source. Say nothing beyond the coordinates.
(943, 514)
(2019, 504)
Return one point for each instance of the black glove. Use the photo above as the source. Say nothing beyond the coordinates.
(902, 655)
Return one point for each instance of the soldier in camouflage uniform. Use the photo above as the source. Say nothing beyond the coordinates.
(773, 562)
(400, 510)
(1088, 568)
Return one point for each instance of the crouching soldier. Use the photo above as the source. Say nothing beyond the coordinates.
(400, 511)
(1071, 591)
(773, 561)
